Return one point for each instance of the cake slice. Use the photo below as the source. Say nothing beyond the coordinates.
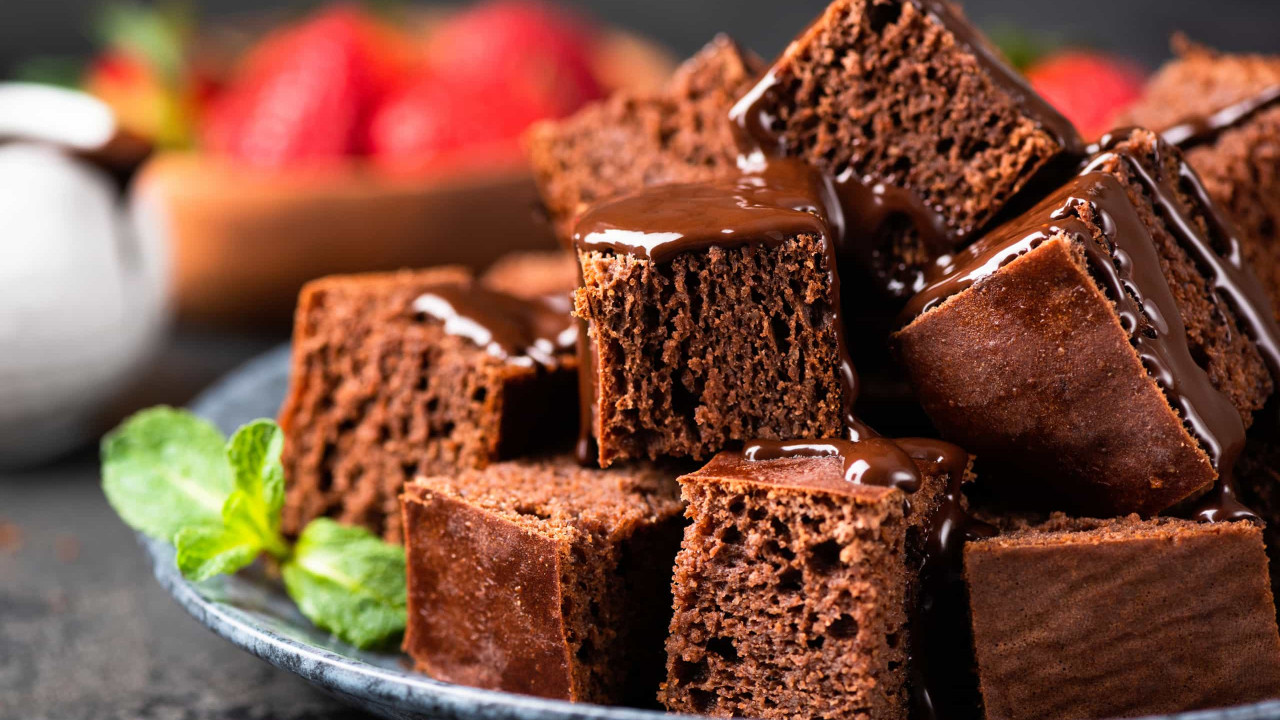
(631, 140)
(925, 126)
(543, 578)
(384, 387)
(1224, 112)
(798, 589)
(1099, 352)
(1122, 618)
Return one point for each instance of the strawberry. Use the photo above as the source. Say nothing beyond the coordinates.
(436, 122)
(1090, 88)
(529, 52)
(304, 94)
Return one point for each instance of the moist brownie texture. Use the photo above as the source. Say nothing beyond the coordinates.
(692, 350)
(907, 95)
(630, 140)
(543, 578)
(1028, 350)
(792, 591)
(1239, 157)
(1121, 618)
(380, 392)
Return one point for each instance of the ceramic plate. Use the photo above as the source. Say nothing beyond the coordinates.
(252, 611)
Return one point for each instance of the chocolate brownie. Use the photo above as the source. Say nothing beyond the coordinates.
(405, 373)
(543, 578)
(631, 140)
(1224, 111)
(1104, 352)
(1122, 618)
(714, 317)
(926, 128)
(798, 589)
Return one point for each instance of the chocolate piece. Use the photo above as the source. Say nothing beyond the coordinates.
(1108, 306)
(633, 140)
(1122, 618)
(415, 372)
(543, 578)
(714, 315)
(1224, 112)
(925, 128)
(793, 585)
(533, 275)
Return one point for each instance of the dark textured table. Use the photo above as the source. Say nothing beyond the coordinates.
(85, 632)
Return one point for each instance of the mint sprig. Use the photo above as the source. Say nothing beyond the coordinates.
(171, 476)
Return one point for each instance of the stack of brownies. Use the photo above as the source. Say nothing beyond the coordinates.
(645, 470)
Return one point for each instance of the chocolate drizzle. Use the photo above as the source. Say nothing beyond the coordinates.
(784, 199)
(938, 621)
(1128, 268)
(523, 332)
(1205, 130)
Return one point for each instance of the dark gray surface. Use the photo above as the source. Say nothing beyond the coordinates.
(1136, 27)
(85, 631)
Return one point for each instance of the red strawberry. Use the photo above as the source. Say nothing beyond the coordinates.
(527, 51)
(303, 94)
(437, 122)
(1089, 88)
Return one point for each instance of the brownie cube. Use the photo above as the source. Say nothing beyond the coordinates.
(908, 96)
(793, 589)
(631, 140)
(543, 578)
(1237, 155)
(380, 392)
(1080, 619)
(1066, 348)
(690, 352)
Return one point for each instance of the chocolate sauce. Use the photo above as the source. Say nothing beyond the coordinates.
(871, 461)
(868, 207)
(523, 332)
(1205, 130)
(785, 199)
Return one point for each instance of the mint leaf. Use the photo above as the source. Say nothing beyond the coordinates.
(254, 455)
(164, 470)
(210, 550)
(349, 582)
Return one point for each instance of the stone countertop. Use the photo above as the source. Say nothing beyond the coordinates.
(85, 630)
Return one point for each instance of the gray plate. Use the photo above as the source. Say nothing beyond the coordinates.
(252, 611)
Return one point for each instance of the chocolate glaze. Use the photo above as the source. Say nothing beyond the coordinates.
(872, 461)
(1128, 268)
(938, 618)
(784, 199)
(1205, 130)
(522, 332)
(867, 205)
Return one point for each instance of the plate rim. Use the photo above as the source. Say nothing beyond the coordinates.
(403, 693)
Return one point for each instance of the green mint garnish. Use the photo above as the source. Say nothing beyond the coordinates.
(170, 475)
(348, 581)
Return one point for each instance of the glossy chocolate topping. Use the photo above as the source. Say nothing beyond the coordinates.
(784, 199)
(1127, 265)
(1204, 130)
(872, 461)
(867, 205)
(523, 332)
